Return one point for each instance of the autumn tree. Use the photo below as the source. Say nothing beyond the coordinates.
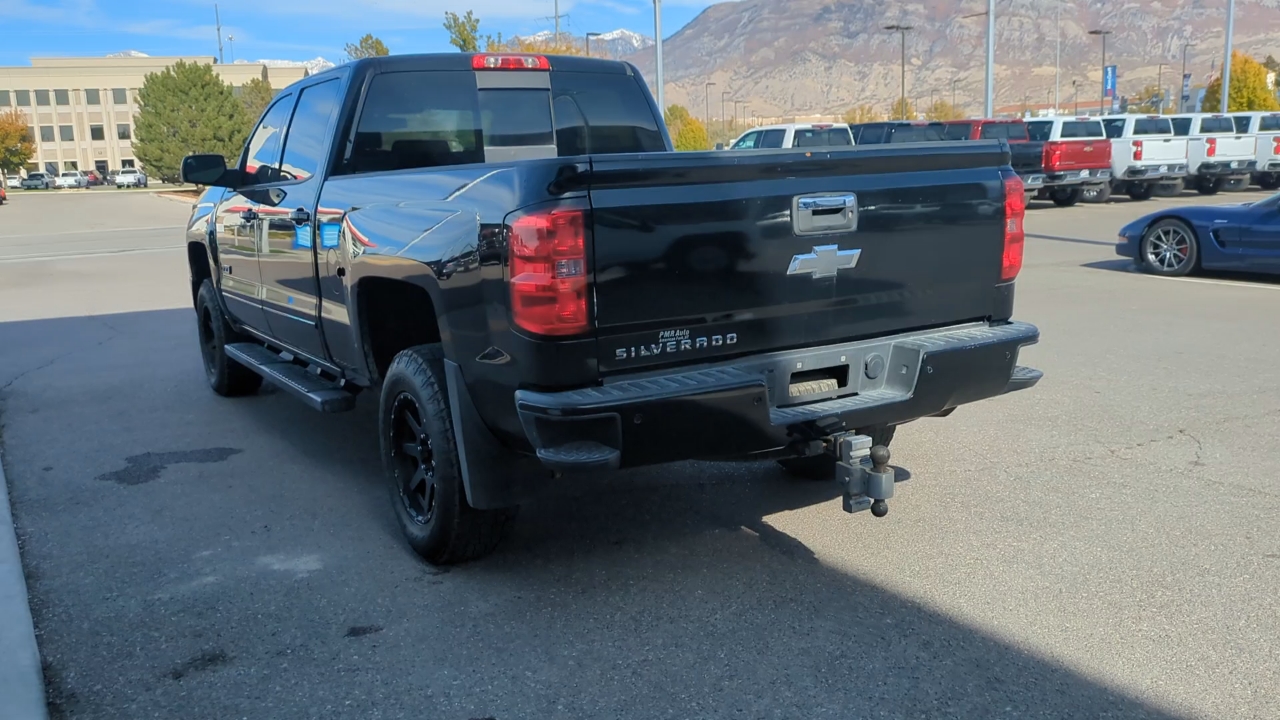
(861, 114)
(464, 31)
(547, 46)
(676, 115)
(369, 46)
(256, 95)
(186, 108)
(16, 144)
(1248, 90)
(901, 109)
(1147, 100)
(943, 110)
(691, 135)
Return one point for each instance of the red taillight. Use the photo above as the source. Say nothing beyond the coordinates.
(1052, 155)
(1275, 145)
(1137, 149)
(1015, 209)
(1211, 147)
(509, 62)
(548, 256)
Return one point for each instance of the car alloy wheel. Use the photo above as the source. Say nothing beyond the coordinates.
(1169, 249)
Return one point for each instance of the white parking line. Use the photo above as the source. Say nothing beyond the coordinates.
(99, 230)
(1204, 281)
(77, 255)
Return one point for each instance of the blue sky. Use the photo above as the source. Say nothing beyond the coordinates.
(295, 29)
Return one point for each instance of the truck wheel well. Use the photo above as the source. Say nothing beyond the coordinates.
(394, 315)
(198, 260)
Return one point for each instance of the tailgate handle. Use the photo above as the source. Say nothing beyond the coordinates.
(824, 213)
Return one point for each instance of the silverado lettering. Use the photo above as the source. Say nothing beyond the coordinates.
(502, 238)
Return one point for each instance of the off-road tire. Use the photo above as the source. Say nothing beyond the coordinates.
(1208, 186)
(1141, 191)
(443, 528)
(823, 467)
(226, 377)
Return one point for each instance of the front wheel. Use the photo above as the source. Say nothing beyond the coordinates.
(226, 376)
(1141, 191)
(823, 467)
(1066, 197)
(1269, 181)
(421, 464)
(1169, 248)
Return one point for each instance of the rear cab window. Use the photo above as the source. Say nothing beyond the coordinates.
(422, 119)
(1004, 131)
(916, 133)
(1040, 131)
(821, 137)
(1269, 123)
(958, 131)
(1152, 126)
(1076, 129)
(1217, 126)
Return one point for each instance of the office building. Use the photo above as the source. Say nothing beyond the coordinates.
(80, 110)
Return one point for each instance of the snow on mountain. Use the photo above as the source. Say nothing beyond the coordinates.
(127, 53)
(313, 66)
(613, 44)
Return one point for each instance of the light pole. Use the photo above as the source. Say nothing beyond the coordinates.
(902, 30)
(1057, 57)
(1103, 34)
(1160, 88)
(657, 45)
(989, 88)
(953, 93)
(737, 115)
(1075, 94)
(1226, 56)
(589, 36)
(931, 103)
(706, 108)
(231, 45)
(1181, 102)
(724, 127)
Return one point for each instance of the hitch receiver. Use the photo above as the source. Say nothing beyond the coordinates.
(863, 473)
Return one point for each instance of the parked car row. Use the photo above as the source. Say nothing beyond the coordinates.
(75, 179)
(1067, 158)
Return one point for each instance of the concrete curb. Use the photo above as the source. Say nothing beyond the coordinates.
(21, 676)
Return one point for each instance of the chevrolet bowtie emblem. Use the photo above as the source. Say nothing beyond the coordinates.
(824, 261)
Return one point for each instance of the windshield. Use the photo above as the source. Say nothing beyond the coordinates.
(1004, 130)
(70, 174)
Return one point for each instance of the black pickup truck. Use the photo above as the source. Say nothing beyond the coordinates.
(506, 250)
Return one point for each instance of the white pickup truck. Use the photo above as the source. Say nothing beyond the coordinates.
(131, 177)
(794, 135)
(1265, 126)
(1216, 151)
(1144, 154)
(71, 179)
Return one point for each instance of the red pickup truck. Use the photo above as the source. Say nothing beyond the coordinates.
(1026, 157)
(1076, 157)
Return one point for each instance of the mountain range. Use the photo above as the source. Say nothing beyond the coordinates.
(614, 44)
(809, 57)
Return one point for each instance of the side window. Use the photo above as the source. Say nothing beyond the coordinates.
(263, 150)
(1269, 123)
(747, 142)
(1114, 128)
(419, 120)
(1181, 126)
(773, 138)
(309, 130)
(961, 131)
(1242, 123)
(600, 113)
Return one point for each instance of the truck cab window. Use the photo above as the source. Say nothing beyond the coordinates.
(262, 153)
(747, 142)
(308, 130)
(773, 138)
(1039, 131)
(1114, 127)
(417, 120)
(613, 113)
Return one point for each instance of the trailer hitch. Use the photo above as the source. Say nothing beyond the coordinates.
(863, 473)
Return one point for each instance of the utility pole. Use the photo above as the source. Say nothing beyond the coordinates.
(706, 106)
(990, 109)
(902, 30)
(1057, 60)
(1103, 34)
(954, 107)
(1226, 56)
(557, 10)
(1160, 88)
(724, 127)
(231, 46)
(1075, 94)
(217, 21)
(657, 37)
(1181, 103)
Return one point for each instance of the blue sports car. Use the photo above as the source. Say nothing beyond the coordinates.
(1176, 241)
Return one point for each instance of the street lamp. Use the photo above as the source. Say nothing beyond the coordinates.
(953, 93)
(706, 108)
(990, 83)
(737, 115)
(1181, 100)
(902, 30)
(1103, 34)
(931, 103)
(1226, 56)
(657, 45)
(1160, 88)
(1075, 94)
(589, 36)
(724, 128)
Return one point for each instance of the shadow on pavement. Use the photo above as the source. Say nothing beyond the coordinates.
(1125, 265)
(268, 579)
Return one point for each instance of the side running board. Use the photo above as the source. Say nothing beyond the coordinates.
(319, 393)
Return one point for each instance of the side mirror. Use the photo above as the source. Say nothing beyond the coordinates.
(209, 170)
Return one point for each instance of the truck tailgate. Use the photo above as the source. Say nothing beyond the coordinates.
(1163, 149)
(704, 255)
(1234, 147)
(1079, 154)
(1027, 157)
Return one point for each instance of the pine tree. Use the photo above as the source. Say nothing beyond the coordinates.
(691, 135)
(256, 96)
(186, 109)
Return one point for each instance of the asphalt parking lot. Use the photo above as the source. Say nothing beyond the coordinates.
(1104, 545)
